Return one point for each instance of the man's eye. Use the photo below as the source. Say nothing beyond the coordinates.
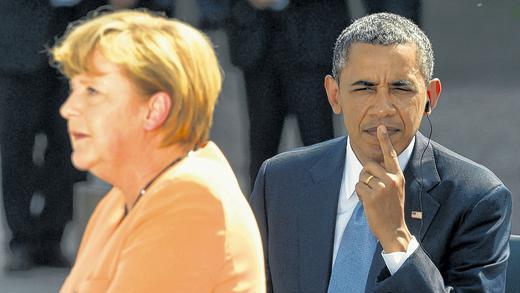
(361, 89)
(402, 89)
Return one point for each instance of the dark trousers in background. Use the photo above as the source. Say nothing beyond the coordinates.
(275, 90)
(29, 105)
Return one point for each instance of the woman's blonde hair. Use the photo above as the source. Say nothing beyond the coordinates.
(159, 54)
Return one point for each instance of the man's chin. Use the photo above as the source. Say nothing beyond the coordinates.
(371, 156)
(376, 158)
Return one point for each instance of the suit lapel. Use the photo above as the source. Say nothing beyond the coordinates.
(417, 199)
(317, 219)
(421, 178)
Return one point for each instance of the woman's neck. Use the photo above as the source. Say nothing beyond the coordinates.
(144, 169)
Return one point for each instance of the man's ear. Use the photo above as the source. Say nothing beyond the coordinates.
(433, 91)
(158, 110)
(332, 89)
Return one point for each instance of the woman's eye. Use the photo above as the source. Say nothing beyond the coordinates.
(91, 91)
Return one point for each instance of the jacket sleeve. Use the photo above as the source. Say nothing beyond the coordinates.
(475, 260)
(257, 201)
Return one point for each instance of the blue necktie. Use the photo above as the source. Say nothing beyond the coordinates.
(350, 269)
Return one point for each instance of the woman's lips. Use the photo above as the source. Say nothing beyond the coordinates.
(78, 135)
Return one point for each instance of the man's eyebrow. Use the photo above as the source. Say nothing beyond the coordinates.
(402, 82)
(363, 83)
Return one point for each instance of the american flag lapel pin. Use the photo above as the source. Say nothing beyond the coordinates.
(416, 215)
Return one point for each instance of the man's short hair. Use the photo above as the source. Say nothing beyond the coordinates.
(158, 54)
(383, 29)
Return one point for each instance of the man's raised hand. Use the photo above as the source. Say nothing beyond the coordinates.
(381, 188)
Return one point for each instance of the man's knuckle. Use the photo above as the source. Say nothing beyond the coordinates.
(393, 183)
(393, 153)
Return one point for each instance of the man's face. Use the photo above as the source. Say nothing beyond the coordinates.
(381, 85)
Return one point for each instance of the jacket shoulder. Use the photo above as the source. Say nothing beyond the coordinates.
(464, 174)
(306, 156)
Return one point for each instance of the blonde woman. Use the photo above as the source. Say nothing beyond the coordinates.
(143, 90)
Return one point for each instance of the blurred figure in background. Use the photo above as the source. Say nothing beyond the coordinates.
(166, 6)
(213, 13)
(282, 48)
(410, 9)
(143, 92)
(30, 95)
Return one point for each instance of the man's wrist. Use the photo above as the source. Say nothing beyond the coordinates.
(398, 243)
(395, 260)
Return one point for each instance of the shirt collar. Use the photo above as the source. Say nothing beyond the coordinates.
(353, 167)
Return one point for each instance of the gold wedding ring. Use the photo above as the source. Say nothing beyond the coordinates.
(368, 179)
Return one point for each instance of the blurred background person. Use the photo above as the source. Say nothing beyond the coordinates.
(213, 13)
(281, 48)
(166, 6)
(37, 176)
(410, 9)
(143, 91)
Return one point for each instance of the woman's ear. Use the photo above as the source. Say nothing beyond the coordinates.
(158, 110)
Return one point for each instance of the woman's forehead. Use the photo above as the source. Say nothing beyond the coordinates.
(98, 64)
(99, 67)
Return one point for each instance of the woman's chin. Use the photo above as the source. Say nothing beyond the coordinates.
(80, 163)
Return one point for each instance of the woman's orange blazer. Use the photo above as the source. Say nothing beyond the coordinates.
(192, 231)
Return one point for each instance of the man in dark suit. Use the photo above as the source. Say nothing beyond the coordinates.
(284, 55)
(343, 216)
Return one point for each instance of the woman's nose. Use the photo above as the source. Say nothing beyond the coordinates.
(69, 108)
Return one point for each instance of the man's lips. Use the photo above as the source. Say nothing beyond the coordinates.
(373, 130)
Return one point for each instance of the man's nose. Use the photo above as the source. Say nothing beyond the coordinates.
(383, 104)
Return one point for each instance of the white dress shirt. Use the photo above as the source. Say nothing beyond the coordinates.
(348, 200)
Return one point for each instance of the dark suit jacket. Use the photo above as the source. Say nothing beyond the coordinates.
(303, 33)
(463, 234)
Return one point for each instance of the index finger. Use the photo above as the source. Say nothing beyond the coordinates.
(389, 154)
